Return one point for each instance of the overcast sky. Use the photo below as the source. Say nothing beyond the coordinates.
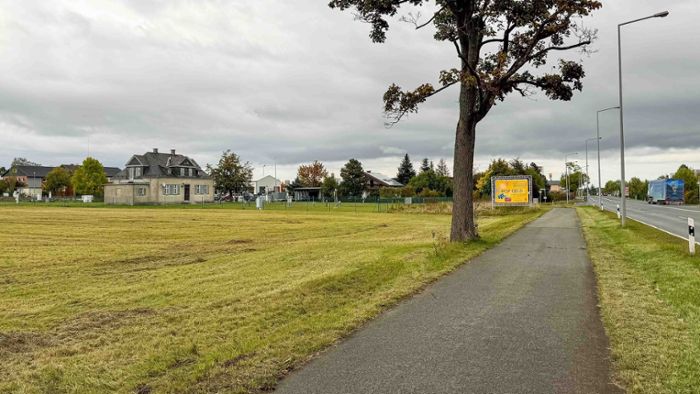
(289, 82)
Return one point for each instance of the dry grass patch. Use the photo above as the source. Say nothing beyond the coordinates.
(209, 300)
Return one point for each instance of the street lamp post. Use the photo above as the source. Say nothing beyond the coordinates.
(622, 122)
(566, 164)
(600, 188)
(588, 177)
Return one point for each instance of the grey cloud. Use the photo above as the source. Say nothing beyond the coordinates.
(296, 81)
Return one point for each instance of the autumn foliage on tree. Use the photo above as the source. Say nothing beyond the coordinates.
(499, 44)
(312, 175)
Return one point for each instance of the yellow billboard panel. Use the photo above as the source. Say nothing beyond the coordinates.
(511, 191)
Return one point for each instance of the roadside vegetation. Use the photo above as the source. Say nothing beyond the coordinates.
(203, 300)
(649, 290)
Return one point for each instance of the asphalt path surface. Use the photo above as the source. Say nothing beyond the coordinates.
(670, 218)
(520, 318)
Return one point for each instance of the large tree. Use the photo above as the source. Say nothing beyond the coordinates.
(329, 187)
(638, 188)
(231, 175)
(442, 169)
(57, 180)
(499, 44)
(576, 177)
(353, 176)
(425, 165)
(21, 161)
(89, 178)
(406, 171)
(312, 175)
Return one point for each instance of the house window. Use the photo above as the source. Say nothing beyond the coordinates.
(194, 172)
(201, 189)
(182, 171)
(137, 172)
(171, 190)
(141, 191)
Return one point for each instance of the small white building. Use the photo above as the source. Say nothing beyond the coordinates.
(268, 184)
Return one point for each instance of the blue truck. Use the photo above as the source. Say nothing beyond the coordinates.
(666, 191)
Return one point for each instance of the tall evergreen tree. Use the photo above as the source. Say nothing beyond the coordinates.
(353, 176)
(442, 169)
(425, 165)
(406, 171)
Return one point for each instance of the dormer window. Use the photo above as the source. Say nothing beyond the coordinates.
(137, 172)
(182, 171)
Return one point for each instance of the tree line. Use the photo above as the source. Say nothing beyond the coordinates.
(88, 178)
(638, 188)
(234, 176)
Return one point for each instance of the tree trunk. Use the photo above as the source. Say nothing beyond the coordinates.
(463, 223)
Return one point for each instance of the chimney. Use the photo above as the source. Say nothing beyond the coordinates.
(155, 150)
(172, 151)
(550, 176)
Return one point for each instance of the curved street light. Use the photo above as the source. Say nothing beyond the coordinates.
(622, 122)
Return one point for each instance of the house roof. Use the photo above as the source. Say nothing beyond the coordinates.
(268, 177)
(29, 171)
(383, 180)
(156, 165)
(554, 183)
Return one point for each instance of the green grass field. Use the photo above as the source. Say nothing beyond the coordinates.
(649, 291)
(203, 300)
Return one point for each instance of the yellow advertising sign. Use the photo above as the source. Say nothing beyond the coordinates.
(512, 191)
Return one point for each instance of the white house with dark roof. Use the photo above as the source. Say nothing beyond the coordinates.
(160, 178)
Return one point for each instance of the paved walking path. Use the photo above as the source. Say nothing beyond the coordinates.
(521, 318)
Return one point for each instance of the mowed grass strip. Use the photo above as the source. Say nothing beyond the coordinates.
(153, 300)
(649, 291)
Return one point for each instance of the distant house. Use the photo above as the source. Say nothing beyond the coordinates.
(31, 176)
(268, 184)
(376, 180)
(160, 178)
(555, 187)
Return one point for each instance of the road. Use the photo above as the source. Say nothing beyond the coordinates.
(670, 218)
(520, 318)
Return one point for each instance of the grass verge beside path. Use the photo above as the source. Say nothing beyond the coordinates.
(211, 300)
(649, 290)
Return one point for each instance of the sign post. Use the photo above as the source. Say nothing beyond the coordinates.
(691, 236)
(511, 191)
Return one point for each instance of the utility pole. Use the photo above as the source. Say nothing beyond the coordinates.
(588, 177)
(566, 163)
(600, 188)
